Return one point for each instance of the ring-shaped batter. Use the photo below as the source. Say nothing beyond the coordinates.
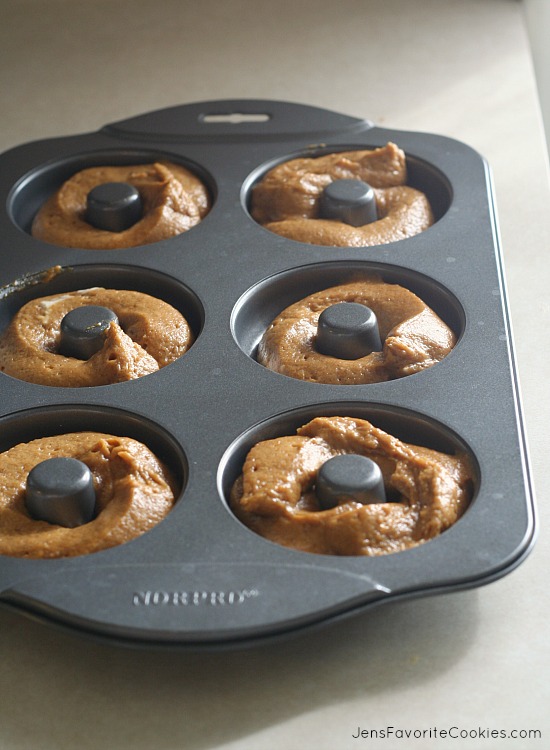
(275, 497)
(286, 200)
(134, 491)
(414, 337)
(174, 200)
(151, 335)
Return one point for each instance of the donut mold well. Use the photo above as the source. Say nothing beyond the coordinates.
(35, 187)
(133, 488)
(264, 301)
(421, 175)
(49, 421)
(406, 425)
(60, 280)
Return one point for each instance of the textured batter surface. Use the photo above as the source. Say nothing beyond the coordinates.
(134, 492)
(427, 491)
(174, 200)
(286, 200)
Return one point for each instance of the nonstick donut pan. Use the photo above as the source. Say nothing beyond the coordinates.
(200, 578)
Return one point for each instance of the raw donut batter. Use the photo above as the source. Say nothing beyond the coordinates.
(174, 200)
(275, 495)
(413, 336)
(286, 200)
(134, 491)
(151, 335)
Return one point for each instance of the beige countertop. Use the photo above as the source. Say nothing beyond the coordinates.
(475, 660)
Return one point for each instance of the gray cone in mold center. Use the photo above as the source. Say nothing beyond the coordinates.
(113, 206)
(349, 477)
(83, 330)
(61, 491)
(348, 330)
(350, 201)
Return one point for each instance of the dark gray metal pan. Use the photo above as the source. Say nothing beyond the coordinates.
(200, 579)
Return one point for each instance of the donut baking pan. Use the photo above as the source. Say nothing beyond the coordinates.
(200, 578)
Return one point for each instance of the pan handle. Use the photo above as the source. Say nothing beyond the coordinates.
(193, 604)
(237, 119)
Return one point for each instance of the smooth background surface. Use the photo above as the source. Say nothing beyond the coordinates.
(537, 18)
(478, 659)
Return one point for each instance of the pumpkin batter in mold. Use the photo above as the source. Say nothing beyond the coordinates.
(173, 198)
(134, 491)
(149, 335)
(427, 491)
(287, 200)
(414, 337)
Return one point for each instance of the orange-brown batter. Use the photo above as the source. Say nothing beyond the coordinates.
(413, 336)
(174, 200)
(151, 334)
(134, 491)
(275, 495)
(286, 200)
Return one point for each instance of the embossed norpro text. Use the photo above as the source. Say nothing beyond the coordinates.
(192, 598)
